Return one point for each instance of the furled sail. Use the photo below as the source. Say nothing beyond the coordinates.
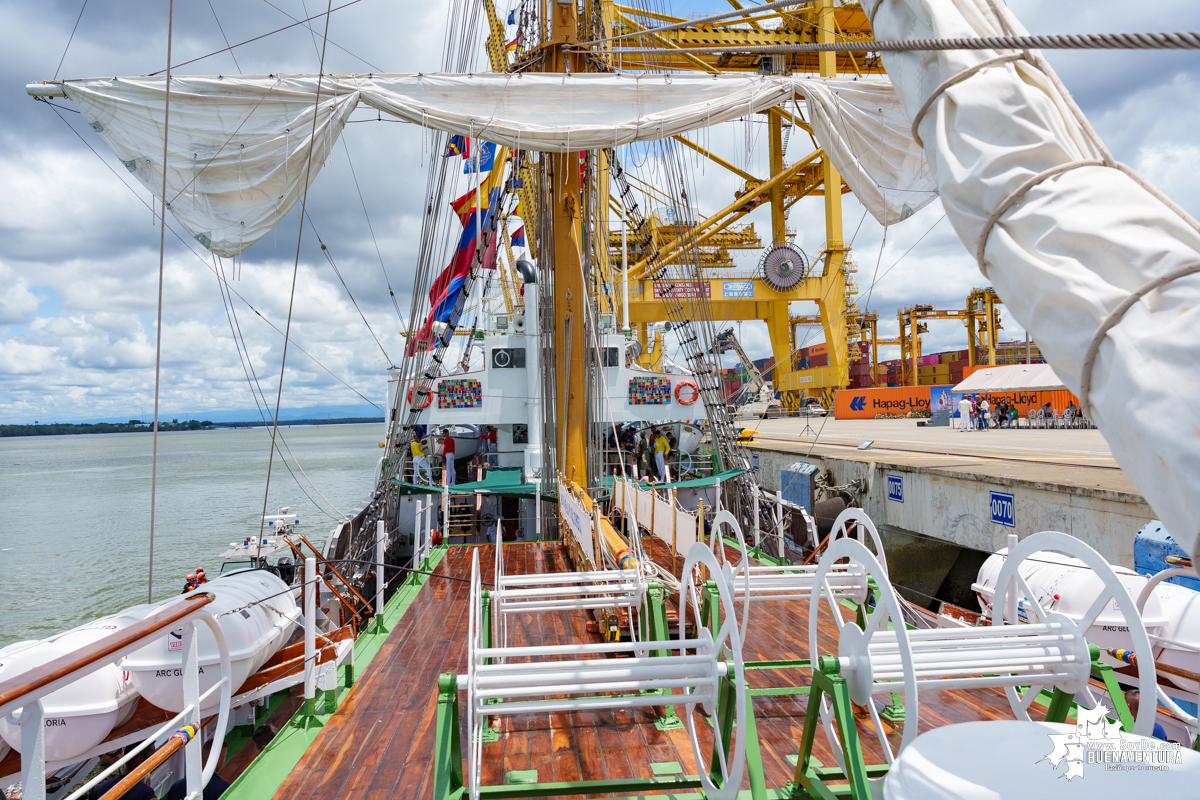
(238, 146)
(1067, 238)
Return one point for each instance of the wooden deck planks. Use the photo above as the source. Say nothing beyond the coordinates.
(380, 742)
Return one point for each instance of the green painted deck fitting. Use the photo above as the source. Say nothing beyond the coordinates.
(520, 776)
(267, 772)
(666, 768)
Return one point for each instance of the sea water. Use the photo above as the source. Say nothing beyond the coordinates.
(76, 511)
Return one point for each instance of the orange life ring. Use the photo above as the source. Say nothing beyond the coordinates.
(419, 405)
(695, 394)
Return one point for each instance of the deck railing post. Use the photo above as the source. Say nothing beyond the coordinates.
(779, 519)
(1011, 600)
(428, 530)
(193, 770)
(380, 547)
(32, 719)
(754, 515)
(310, 634)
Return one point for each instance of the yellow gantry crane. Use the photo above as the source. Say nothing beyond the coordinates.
(981, 318)
(734, 294)
(580, 224)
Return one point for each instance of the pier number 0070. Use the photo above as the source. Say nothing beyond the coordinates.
(1003, 511)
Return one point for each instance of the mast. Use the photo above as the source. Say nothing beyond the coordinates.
(570, 365)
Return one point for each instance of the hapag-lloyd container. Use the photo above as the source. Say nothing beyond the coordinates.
(256, 612)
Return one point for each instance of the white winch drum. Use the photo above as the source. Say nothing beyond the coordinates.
(1068, 586)
(256, 612)
(79, 716)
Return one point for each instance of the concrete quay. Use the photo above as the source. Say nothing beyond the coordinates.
(954, 486)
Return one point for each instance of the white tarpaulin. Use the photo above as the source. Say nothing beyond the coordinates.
(1016, 378)
(1070, 249)
(862, 125)
(238, 146)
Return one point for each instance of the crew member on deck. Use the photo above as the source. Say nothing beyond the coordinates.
(661, 448)
(419, 463)
(201, 578)
(190, 583)
(1132, 699)
(448, 458)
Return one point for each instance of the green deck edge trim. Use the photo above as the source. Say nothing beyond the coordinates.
(271, 768)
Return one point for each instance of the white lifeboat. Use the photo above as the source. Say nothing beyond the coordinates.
(81, 715)
(257, 613)
(1181, 606)
(1064, 585)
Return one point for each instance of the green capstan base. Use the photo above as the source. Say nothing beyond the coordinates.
(489, 735)
(376, 627)
(894, 712)
(669, 722)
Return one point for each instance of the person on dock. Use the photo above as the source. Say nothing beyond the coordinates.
(985, 414)
(964, 414)
(1132, 699)
(448, 458)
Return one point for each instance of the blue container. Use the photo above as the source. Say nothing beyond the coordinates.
(1151, 547)
(799, 484)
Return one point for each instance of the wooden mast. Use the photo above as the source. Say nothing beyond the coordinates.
(570, 365)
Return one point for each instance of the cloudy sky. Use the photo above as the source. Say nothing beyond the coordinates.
(79, 249)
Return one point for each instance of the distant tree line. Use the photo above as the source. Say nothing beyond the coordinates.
(133, 426)
(137, 426)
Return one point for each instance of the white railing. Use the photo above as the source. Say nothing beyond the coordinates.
(21, 696)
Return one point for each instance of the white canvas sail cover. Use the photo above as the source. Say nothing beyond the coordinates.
(238, 146)
(238, 150)
(1070, 249)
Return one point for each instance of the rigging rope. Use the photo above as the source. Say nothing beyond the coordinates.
(1183, 40)
(255, 39)
(71, 38)
(256, 390)
(162, 246)
(329, 257)
(295, 272)
(187, 243)
(371, 228)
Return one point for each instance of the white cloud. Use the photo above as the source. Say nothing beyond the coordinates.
(69, 228)
(17, 303)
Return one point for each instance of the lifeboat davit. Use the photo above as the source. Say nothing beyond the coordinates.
(256, 612)
(81, 715)
(1067, 586)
